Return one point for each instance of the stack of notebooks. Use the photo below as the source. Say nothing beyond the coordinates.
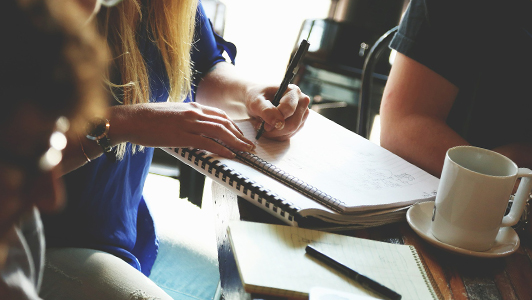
(324, 172)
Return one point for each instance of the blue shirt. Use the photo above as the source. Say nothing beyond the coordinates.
(105, 209)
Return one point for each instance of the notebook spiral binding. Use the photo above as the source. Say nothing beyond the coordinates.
(293, 182)
(245, 187)
(427, 275)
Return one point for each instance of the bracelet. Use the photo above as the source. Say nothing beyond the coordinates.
(83, 150)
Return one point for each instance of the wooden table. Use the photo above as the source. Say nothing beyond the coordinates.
(457, 277)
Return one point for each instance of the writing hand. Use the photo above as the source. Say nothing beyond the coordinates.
(283, 121)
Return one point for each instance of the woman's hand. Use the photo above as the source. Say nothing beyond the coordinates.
(283, 121)
(172, 124)
(225, 88)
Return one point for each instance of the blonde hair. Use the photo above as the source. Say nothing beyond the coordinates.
(170, 26)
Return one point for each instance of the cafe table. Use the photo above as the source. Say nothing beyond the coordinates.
(456, 276)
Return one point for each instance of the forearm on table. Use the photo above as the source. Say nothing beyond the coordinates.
(163, 124)
(424, 143)
(420, 140)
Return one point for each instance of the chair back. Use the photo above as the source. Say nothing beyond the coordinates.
(368, 73)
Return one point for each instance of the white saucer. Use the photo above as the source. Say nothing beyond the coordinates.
(419, 217)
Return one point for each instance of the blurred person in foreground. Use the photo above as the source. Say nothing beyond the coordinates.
(50, 75)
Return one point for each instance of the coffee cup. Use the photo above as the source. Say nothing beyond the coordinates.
(473, 194)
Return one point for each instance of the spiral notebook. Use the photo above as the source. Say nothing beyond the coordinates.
(324, 171)
(271, 260)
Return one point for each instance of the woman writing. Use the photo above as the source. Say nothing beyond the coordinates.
(159, 61)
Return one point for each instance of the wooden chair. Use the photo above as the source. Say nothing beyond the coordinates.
(367, 109)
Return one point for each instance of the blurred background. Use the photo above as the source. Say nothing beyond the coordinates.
(265, 32)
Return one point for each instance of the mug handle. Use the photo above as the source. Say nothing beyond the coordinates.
(522, 194)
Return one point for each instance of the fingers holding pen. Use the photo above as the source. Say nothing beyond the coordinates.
(288, 117)
(295, 107)
(293, 125)
(292, 100)
(261, 107)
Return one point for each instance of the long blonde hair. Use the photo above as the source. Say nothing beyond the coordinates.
(171, 27)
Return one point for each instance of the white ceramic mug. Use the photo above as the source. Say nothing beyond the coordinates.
(473, 194)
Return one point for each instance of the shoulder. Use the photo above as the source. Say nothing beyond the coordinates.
(450, 36)
(457, 20)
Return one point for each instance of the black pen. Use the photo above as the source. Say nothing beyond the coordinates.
(363, 280)
(288, 76)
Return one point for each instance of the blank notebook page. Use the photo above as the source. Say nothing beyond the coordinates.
(272, 260)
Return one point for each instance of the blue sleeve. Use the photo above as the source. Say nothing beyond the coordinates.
(207, 47)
